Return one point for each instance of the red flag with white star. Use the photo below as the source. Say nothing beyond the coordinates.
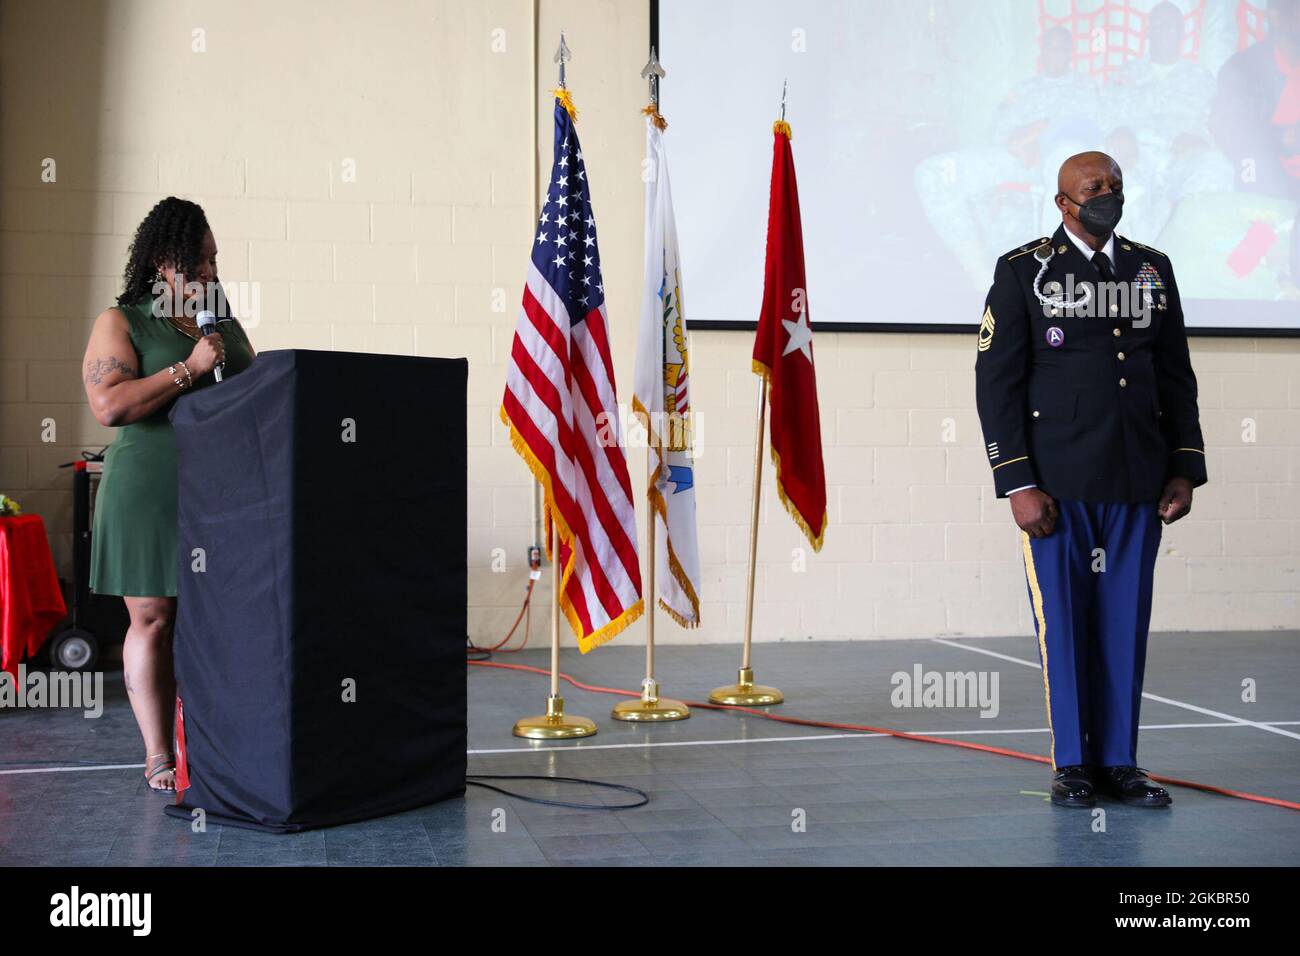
(783, 352)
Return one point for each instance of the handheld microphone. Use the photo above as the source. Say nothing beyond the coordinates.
(207, 322)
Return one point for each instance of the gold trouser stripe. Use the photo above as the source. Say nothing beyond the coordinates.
(1011, 462)
(1037, 595)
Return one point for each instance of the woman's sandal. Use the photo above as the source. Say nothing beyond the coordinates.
(167, 764)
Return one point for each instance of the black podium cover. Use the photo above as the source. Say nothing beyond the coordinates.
(329, 565)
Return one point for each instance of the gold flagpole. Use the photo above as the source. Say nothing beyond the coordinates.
(555, 622)
(650, 542)
(554, 724)
(651, 706)
(745, 692)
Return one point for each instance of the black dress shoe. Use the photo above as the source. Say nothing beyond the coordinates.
(1072, 787)
(1130, 785)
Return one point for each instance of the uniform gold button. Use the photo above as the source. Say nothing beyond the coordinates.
(1114, 309)
(1115, 332)
(1123, 383)
(1035, 413)
(1120, 356)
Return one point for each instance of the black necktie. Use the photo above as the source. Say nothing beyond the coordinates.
(1102, 262)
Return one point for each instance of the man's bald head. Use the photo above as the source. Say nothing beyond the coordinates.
(1082, 177)
(1082, 168)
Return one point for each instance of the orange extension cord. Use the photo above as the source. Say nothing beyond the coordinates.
(864, 728)
(500, 646)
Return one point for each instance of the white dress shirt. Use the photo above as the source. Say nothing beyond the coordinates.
(1088, 252)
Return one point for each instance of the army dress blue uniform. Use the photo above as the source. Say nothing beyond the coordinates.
(1097, 408)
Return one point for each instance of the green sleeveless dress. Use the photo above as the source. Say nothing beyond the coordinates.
(133, 538)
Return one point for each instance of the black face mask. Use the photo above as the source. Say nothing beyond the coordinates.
(1100, 215)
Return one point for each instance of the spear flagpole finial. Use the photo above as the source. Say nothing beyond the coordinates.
(653, 72)
(781, 127)
(562, 55)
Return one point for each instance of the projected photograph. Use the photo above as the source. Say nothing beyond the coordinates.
(929, 136)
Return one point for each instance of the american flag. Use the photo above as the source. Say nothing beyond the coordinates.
(561, 407)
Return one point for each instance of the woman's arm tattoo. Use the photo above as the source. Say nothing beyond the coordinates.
(96, 369)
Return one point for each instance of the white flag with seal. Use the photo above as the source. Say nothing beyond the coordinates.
(661, 395)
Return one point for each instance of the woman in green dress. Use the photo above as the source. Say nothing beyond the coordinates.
(142, 355)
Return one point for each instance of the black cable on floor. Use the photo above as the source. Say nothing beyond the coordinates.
(473, 780)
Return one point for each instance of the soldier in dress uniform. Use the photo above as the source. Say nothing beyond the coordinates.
(1087, 401)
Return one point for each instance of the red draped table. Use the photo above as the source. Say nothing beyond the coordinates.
(31, 601)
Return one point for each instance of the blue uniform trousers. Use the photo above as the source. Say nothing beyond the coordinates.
(1090, 590)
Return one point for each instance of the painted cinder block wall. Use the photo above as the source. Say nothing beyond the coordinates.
(423, 251)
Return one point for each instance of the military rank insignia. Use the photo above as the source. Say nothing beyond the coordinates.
(986, 329)
(1148, 278)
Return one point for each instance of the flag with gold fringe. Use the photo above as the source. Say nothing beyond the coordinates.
(561, 405)
(661, 394)
(783, 352)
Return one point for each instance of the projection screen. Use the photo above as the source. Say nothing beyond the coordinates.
(927, 135)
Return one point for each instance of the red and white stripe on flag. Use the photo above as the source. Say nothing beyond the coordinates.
(561, 407)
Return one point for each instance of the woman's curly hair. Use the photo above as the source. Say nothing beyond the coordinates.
(172, 232)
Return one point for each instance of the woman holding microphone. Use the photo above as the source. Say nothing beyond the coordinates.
(142, 354)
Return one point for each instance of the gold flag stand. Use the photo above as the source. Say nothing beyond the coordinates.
(745, 692)
(650, 706)
(555, 724)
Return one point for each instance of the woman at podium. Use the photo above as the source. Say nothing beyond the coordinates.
(142, 355)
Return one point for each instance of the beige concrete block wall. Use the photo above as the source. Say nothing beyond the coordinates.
(424, 250)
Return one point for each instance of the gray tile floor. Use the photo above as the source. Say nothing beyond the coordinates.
(725, 787)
